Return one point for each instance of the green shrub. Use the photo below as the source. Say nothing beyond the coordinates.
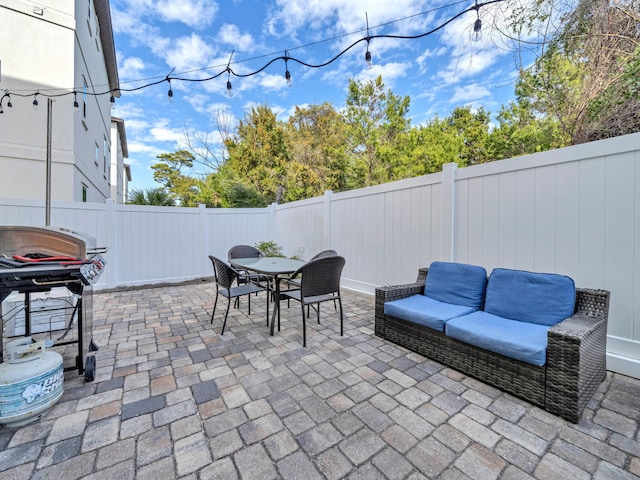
(272, 249)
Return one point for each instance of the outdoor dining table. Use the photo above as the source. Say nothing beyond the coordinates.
(272, 267)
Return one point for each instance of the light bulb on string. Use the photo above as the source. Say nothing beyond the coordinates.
(367, 58)
(34, 104)
(229, 88)
(9, 104)
(287, 73)
(76, 106)
(476, 35)
(367, 55)
(113, 102)
(170, 93)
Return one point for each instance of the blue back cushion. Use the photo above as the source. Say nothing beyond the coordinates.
(542, 298)
(456, 283)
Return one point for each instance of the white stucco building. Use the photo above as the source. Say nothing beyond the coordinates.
(51, 49)
(120, 171)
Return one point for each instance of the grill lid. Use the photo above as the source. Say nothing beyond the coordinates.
(51, 241)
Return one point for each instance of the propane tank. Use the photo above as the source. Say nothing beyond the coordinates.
(31, 381)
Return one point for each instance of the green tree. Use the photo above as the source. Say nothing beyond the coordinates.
(176, 175)
(472, 127)
(151, 196)
(583, 74)
(258, 154)
(520, 131)
(318, 139)
(236, 194)
(428, 147)
(376, 120)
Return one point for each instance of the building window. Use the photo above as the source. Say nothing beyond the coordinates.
(89, 17)
(84, 193)
(105, 155)
(85, 87)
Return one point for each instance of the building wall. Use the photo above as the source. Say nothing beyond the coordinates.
(46, 47)
(118, 173)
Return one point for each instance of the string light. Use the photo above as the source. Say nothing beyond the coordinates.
(287, 73)
(170, 92)
(76, 106)
(367, 55)
(229, 71)
(476, 35)
(229, 88)
(9, 104)
(113, 102)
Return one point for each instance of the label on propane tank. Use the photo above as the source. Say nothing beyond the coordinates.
(31, 393)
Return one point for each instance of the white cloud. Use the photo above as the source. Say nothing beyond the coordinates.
(162, 133)
(468, 64)
(130, 68)
(339, 16)
(430, 53)
(189, 53)
(231, 35)
(141, 148)
(469, 93)
(272, 82)
(194, 13)
(389, 72)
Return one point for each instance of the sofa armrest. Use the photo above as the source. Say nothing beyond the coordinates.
(576, 356)
(389, 293)
(592, 303)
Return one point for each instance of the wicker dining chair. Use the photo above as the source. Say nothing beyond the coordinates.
(247, 251)
(295, 282)
(225, 275)
(319, 282)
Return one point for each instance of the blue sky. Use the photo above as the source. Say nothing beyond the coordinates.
(195, 39)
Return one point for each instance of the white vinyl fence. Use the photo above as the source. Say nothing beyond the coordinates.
(573, 211)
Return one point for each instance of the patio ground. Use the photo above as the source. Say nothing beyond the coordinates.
(174, 399)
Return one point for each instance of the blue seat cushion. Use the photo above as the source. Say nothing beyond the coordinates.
(425, 311)
(523, 341)
(542, 298)
(456, 283)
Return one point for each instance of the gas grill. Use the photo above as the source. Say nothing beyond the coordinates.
(38, 259)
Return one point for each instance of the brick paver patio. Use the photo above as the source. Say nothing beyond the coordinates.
(174, 399)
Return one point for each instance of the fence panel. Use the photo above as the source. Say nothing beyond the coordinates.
(228, 227)
(158, 244)
(301, 227)
(387, 232)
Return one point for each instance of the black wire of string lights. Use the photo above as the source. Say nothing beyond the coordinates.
(475, 35)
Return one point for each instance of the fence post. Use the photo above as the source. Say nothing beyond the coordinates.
(112, 270)
(448, 237)
(204, 238)
(274, 231)
(327, 219)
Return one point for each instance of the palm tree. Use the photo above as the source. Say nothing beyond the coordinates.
(151, 196)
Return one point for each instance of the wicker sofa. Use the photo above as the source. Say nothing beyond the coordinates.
(574, 365)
